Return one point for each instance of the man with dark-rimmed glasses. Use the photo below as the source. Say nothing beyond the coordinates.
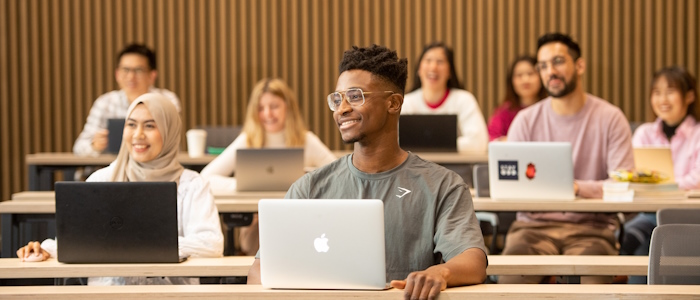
(433, 239)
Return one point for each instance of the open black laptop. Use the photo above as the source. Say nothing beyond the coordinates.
(114, 137)
(428, 133)
(117, 222)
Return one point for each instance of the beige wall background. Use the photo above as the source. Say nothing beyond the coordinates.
(57, 57)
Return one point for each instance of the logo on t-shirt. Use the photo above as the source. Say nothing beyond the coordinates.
(403, 192)
(508, 170)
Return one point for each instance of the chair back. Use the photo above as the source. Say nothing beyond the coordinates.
(678, 216)
(481, 180)
(221, 136)
(674, 254)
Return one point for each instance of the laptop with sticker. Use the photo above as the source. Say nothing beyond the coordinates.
(531, 170)
(322, 244)
(268, 169)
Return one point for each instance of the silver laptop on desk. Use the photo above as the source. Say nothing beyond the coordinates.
(268, 169)
(322, 244)
(531, 170)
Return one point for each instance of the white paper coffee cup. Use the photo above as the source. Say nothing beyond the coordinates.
(196, 142)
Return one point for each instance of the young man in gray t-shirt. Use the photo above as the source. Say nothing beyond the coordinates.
(433, 238)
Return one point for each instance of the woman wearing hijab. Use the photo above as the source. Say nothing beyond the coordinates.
(148, 153)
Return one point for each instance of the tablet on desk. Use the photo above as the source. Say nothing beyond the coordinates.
(115, 128)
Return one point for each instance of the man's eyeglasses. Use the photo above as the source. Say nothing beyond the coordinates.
(137, 71)
(557, 61)
(354, 96)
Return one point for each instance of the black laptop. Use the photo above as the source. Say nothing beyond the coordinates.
(114, 137)
(428, 133)
(117, 222)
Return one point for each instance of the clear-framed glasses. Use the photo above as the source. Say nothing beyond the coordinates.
(556, 62)
(354, 96)
(137, 71)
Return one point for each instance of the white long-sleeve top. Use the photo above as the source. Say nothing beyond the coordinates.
(219, 171)
(472, 133)
(198, 228)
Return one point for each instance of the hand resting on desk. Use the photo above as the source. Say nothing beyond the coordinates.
(32, 252)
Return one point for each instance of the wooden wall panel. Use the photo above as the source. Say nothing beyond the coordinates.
(56, 57)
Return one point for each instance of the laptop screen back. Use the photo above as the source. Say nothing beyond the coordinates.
(268, 169)
(116, 222)
(655, 159)
(531, 170)
(322, 244)
(428, 133)
(115, 127)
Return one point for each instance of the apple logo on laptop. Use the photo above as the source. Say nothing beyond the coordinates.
(321, 243)
(530, 171)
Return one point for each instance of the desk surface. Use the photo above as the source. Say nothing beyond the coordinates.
(203, 267)
(238, 266)
(70, 159)
(232, 291)
(36, 202)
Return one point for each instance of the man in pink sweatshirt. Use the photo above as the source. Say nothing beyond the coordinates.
(601, 142)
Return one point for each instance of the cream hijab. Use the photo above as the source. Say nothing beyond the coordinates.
(165, 166)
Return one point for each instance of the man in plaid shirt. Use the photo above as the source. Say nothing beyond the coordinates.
(135, 74)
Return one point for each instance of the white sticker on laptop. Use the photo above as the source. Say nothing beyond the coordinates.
(507, 170)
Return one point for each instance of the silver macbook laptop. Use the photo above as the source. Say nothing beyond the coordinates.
(656, 159)
(531, 170)
(268, 169)
(428, 133)
(322, 244)
(117, 222)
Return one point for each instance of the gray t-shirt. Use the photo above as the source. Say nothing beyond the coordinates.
(428, 211)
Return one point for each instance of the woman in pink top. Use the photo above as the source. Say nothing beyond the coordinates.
(673, 100)
(524, 87)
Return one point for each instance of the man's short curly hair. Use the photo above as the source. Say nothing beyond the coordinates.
(380, 61)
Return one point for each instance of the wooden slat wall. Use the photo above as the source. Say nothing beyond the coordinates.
(56, 57)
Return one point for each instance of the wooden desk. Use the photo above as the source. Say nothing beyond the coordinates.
(247, 202)
(582, 205)
(236, 209)
(558, 265)
(245, 292)
(195, 267)
(567, 265)
(470, 157)
(41, 166)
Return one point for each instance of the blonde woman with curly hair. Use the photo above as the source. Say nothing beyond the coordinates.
(272, 120)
